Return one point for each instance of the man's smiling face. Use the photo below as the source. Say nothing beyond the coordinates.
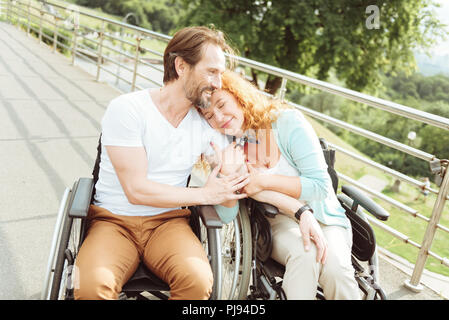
(205, 77)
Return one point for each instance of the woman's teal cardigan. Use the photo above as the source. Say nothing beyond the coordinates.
(299, 144)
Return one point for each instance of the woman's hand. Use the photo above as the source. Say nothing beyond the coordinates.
(255, 184)
(232, 159)
(311, 231)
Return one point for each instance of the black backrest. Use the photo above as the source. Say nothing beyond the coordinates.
(96, 170)
(329, 156)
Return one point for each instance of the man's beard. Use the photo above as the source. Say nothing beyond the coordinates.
(197, 97)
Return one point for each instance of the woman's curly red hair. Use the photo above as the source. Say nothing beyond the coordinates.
(259, 110)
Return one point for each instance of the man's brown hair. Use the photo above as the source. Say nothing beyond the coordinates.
(188, 43)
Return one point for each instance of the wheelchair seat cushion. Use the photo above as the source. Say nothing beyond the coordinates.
(144, 280)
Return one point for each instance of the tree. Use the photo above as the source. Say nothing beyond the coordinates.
(436, 140)
(311, 37)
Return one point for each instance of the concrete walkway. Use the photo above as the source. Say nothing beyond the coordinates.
(375, 183)
(50, 115)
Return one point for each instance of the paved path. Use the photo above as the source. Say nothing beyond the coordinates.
(50, 116)
(376, 184)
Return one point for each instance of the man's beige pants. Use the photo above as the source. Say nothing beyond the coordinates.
(115, 245)
(303, 273)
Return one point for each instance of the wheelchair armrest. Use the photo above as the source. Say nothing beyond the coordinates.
(368, 204)
(268, 209)
(82, 193)
(209, 217)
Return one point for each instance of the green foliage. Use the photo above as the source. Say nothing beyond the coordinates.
(158, 15)
(432, 89)
(312, 37)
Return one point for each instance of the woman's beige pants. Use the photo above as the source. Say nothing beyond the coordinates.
(303, 273)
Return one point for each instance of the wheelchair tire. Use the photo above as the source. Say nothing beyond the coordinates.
(221, 248)
(236, 246)
(380, 294)
(62, 284)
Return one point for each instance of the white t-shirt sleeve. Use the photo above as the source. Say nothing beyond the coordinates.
(122, 125)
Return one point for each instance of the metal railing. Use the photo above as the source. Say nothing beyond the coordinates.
(30, 14)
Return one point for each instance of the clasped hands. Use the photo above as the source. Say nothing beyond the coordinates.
(245, 180)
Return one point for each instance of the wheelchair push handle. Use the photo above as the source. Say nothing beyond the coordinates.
(368, 204)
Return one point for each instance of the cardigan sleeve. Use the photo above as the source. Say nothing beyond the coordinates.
(305, 151)
(227, 214)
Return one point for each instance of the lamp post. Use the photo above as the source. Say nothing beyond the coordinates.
(411, 136)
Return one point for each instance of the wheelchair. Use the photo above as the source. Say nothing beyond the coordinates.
(267, 274)
(223, 244)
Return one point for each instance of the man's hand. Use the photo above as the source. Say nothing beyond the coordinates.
(224, 188)
(311, 230)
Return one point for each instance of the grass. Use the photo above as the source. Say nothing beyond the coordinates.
(416, 228)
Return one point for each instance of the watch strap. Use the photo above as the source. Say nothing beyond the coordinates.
(302, 210)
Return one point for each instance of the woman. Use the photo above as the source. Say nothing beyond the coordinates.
(287, 169)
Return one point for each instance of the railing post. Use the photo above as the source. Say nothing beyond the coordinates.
(12, 11)
(120, 59)
(55, 34)
(100, 51)
(40, 25)
(8, 10)
(414, 283)
(136, 62)
(28, 18)
(75, 38)
(283, 89)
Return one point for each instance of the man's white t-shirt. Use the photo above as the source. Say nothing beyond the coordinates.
(133, 120)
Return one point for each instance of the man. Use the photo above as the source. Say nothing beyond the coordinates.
(150, 140)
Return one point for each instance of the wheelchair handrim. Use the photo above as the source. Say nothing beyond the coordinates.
(56, 236)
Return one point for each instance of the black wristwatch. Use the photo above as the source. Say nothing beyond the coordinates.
(302, 210)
